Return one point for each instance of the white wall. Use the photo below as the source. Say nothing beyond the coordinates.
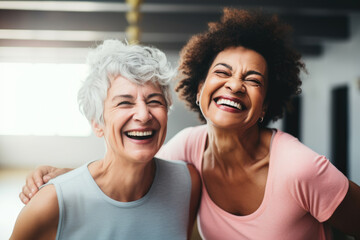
(31, 151)
(340, 65)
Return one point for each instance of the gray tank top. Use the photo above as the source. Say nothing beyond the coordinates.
(85, 212)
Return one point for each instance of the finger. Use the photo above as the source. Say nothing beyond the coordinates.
(53, 173)
(38, 177)
(33, 188)
(47, 177)
(26, 191)
(23, 198)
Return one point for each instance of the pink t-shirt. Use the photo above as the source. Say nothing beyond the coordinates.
(303, 189)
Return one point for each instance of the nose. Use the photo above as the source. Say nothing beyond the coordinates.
(235, 85)
(142, 113)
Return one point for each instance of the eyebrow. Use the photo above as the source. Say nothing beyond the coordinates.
(122, 96)
(225, 65)
(128, 96)
(254, 72)
(155, 95)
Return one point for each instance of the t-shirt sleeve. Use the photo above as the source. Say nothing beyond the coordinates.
(176, 148)
(319, 186)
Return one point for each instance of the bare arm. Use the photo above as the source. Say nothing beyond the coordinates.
(38, 177)
(38, 219)
(346, 217)
(195, 197)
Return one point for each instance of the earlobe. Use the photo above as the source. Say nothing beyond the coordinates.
(264, 109)
(263, 113)
(97, 129)
(199, 92)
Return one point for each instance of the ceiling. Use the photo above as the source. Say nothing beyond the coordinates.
(167, 24)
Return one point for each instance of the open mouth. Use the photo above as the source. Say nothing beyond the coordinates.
(140, 135)
(229, 103)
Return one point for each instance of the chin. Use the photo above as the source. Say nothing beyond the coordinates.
(223, 122)
(143, 157)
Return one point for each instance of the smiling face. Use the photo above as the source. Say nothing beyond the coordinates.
(135, 120)
(234, 90)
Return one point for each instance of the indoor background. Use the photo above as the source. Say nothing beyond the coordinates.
(43, 45)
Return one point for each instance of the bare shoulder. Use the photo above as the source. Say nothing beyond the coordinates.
(39, 218)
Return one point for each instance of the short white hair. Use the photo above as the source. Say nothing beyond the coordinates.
(139, 64)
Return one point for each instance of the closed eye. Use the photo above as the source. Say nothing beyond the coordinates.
(155, 102)
(222, 73)
(124, 103)
(253, 82)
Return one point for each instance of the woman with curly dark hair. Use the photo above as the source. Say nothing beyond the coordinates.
(258, 183)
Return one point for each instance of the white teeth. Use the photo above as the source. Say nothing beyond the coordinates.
(229, 103)
(139, 133)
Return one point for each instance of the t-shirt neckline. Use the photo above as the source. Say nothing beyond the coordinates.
(268, 186)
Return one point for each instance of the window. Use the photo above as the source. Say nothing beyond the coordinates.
(41, 99)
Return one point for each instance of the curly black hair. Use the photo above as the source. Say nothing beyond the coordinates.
(255, 30)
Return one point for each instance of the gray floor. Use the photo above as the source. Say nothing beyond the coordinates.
(11, 182)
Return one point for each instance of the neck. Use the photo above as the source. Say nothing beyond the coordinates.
(231, 148)
(123, 180)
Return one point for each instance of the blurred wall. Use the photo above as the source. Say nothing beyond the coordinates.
(340, 64)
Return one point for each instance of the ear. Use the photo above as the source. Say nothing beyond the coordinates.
(264, 109)
(97, 128)
(199, 90)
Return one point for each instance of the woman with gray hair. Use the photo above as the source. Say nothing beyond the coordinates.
(128, 194)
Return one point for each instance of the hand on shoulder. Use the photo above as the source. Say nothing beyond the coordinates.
(37, 178)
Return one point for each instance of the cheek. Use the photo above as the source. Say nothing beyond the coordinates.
(259, 99)
(119, 120)
(163, 120)
(161, 116)
(207, 90)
